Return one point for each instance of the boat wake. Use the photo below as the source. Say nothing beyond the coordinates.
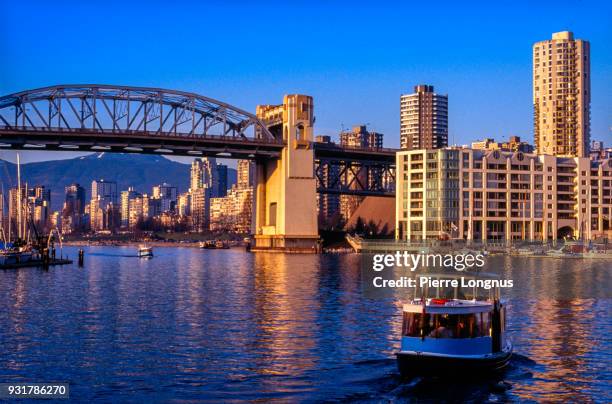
(386, 385)
(113, 255)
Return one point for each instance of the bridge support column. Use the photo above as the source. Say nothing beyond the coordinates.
(285, 201)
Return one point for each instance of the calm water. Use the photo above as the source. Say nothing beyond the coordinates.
(196, 324)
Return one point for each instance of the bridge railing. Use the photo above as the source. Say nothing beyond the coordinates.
(335, 146)
(131, 132)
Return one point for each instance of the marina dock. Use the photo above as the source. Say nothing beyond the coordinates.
(36, 263)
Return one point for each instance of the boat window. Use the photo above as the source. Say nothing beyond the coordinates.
(446, 325)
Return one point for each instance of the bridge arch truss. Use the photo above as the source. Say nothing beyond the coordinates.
(134, 119)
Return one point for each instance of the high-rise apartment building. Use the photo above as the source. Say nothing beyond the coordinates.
(166, 194)
(184, 204)
(207, 173)
(39, 205)
(222, 182)
(74, 200)
(361, 137)
(126, 198)
(203, 173)
(423, 119)
(32, 207)
(562, 95)
(17, 212)
(244, 174)
(74, 208)
(105, 191)
(104, 210)
(200, 209)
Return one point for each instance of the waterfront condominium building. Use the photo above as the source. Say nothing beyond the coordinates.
(427, 196)
(562, 95)
(501, 195)
(423, 119)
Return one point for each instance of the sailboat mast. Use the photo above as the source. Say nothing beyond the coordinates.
(26, 214)
(19, 199)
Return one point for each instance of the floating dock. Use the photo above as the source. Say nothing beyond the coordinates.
(36, 263)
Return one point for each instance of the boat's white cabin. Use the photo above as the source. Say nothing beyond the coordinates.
(449, 306)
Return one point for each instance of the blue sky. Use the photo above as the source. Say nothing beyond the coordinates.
(354, 59)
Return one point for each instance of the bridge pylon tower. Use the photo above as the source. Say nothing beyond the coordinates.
(285, 214)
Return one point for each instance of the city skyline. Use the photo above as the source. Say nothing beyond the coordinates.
(390, 62)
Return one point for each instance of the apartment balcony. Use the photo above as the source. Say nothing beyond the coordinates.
(496, 213)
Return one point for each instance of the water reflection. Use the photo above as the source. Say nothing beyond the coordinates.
(228, 325)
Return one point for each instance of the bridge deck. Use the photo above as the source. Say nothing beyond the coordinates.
(127, 141)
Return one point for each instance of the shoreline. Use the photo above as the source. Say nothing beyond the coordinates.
(239, 244)
(135, 244)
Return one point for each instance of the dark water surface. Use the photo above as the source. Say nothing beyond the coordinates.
(213, 325)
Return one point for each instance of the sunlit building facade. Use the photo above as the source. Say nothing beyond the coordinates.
(234, 212)
(359, 137)
(423, 119)
(498, 195)
(200, 209)
(562, 95)
(514, 144)
(74, 208)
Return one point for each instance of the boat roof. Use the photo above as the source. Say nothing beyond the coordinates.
(449, 306)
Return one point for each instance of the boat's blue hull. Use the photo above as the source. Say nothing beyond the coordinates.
(423, 364)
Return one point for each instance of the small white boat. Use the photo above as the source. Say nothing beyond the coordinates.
(522, 251)
(145, 251)
(453, 336)
(561, 253)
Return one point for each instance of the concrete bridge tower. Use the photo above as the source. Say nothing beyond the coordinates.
(285, 201)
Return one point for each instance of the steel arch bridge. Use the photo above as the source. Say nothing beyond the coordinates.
(92, 117)
(131, 119)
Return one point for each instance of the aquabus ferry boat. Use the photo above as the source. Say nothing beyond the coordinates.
(454, 334)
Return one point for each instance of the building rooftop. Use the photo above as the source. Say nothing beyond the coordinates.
(563, 35)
